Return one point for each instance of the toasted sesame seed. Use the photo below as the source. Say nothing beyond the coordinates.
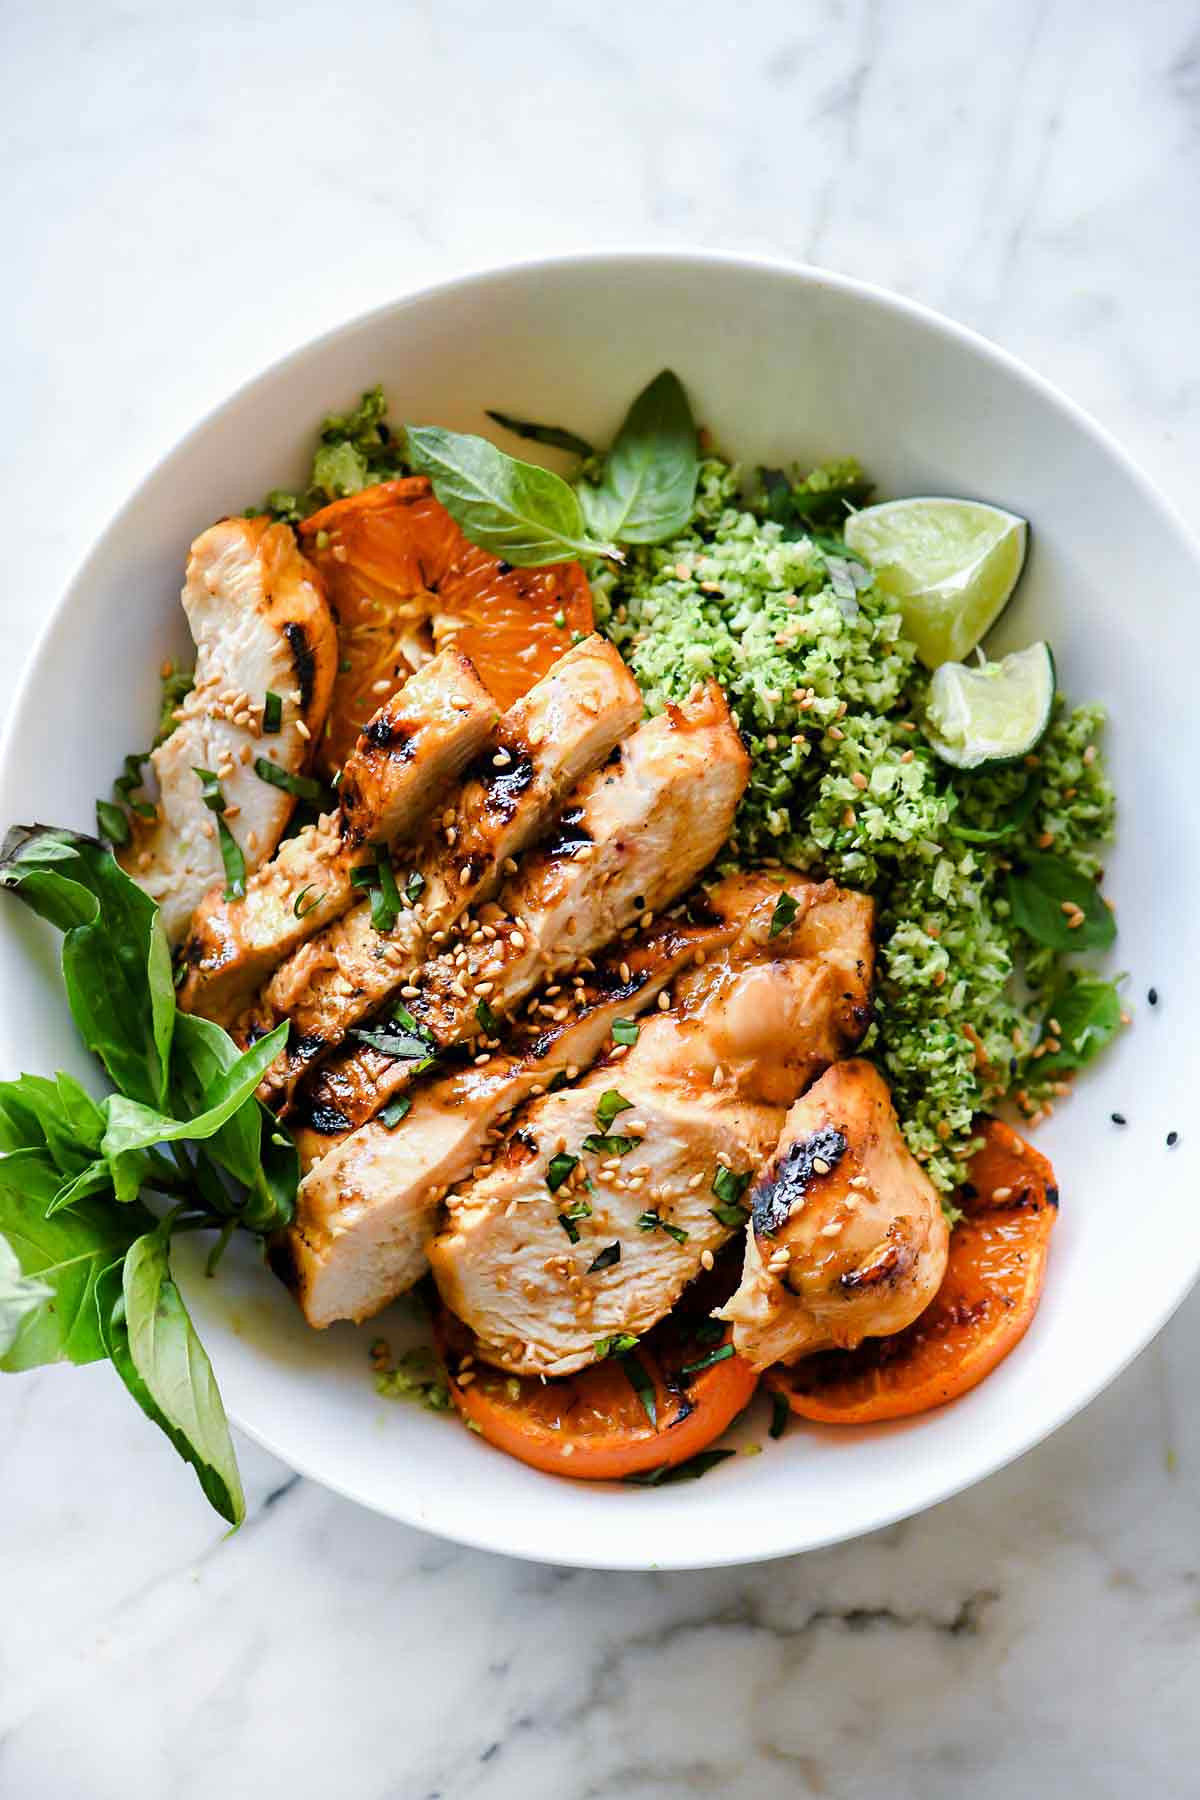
(664, 1001)
(1002, 1193)
(907, 756)
(718, 1076)
(707, 1259)
(820, 1166)
(382, 686)
(832, 1229)
(859, 779)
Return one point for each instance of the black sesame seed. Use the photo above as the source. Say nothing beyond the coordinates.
(1152, 996)
(1172, 1139)
(504, 568)
(1119, 1119)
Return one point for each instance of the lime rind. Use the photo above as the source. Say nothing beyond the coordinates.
(950, 566)
(995, 713)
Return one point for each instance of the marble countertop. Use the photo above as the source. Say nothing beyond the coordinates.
(187, 197)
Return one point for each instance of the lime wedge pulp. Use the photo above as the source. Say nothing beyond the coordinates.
(990, 714)
(950, 566)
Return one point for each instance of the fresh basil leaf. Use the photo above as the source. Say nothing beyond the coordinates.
(66, 1253)
(395, 1110)
(706, 1362)
(57, 1115)
(1087, 1013)
(133, 1127)
(823, 498)
(728, 1186)
(615, 1346)
(668, 1473)
(272, 716)
(20, 1295)
(96, 1178)
(155, 1350)
(116, 964)
(554, 435)
(625, 1031)
(233, 862)
(653, 1221)
(648, 491)
(609, 1105)
(1011, 821)
(393, 1038)
(203, 1056)
(1037, 891)
(524, 514)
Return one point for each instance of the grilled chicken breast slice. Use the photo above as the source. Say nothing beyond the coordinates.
(847, 1238)
(403, 766)
(706, 1087)
(258, 613)
(567, 723)
(368, 1207)
(634, 836)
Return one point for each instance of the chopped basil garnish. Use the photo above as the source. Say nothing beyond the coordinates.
(650, 1221)
(625, 1031)
(488, 1021)
(610, 1255)
(732, 1217)
(400, 1036)
(388, 905)
(272, 719)
(112, 822)
(394, 1111)
(642, 1386)
(784, 915)
(578, 1209)
(619, 1345)
(210, 790)
(706, 1362)
(305, 787)
(558, 1169)
(728, 1186)
(667, 1473)
(708, 1331)
(414, 887)
(234, 862)
(299, 910)
(781, 1412)
(595, 1145)
(609, 1105)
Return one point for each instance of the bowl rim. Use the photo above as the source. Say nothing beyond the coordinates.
(619, 259)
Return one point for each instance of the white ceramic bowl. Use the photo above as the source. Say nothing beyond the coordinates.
(782, 363)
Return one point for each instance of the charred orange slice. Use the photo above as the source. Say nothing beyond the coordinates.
(405, 581)
(984, 1307)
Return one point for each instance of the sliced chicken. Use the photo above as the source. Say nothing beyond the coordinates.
(368, 1207)
(258, 612)
(403, 766)
(848, 1239)
(633, 838)
(567, 723)
(662, 1144)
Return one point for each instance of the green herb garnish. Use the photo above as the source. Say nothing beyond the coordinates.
(112, 822)
(558, 1169)
(553, 435)
(610, 1255)
(1040, 889)
(299, 910)
(272, 717)
(579, 1209)
(651, 1221)
(304, 787)
(781, 1412)
(625, 1031)
(648, 488)
(706, 1362)
(395, 1110)
(784, 915)
(414, 887)
(669, 1473)
(641, 1384)
(609, 1105)
(488, 1022)
(595, 1145)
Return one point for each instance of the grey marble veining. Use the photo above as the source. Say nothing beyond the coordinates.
(188, 195)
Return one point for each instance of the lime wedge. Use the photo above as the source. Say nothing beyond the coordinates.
(950, 565)
(993, 713)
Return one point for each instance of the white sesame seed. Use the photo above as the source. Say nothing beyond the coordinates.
(707, 1259)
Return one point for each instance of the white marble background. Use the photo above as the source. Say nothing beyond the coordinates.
(189, 192)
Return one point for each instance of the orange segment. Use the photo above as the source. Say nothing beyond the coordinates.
(404, 580)
(984, 1307)
(593, 1426)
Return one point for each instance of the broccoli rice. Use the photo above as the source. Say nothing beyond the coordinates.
(828, 694)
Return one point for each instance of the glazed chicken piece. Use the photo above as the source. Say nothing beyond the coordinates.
(848, 1239)
(258, 613)
(566, 724)
(633, 837)
(368, 1206)
(402, 767)
(660, 1144)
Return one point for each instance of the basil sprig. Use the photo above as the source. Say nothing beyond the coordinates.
(520, 512)
(648, 489)
(84, 1264)
(1046, 893)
